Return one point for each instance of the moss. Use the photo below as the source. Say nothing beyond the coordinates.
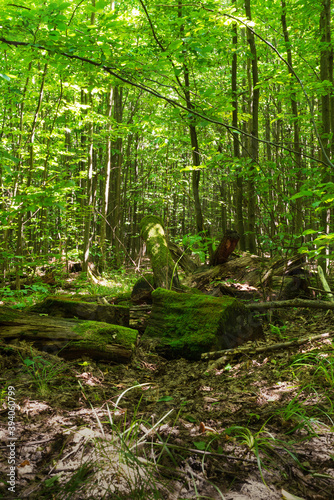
(164, 270)
(8, 314)
(123, 299)
(99, 333)
(189, 324)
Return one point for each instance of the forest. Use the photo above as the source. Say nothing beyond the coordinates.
(211, 116)
(166, 195)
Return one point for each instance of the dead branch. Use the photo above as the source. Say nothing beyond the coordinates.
(313, 304)
(227, 353)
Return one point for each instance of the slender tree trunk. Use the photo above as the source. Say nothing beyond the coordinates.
(326, 57)
(236, 143)
(254, 147)
(89, 195)
(298, 220)
(116, 164)
(106, 186)
(196, 174)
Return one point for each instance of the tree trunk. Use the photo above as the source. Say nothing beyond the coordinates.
(89, 196)
(164, 270)
(298, 222)
(254, 148)
(236, 141)
(106, 186)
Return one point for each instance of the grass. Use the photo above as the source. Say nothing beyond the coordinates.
(129, 459)
(42, 371)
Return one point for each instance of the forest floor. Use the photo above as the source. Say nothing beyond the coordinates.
(261, 427)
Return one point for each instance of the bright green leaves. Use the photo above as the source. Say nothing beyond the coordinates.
(5, 77)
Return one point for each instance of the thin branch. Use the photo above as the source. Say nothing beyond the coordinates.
(18, 6)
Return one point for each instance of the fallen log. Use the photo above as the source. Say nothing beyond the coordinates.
(312, 304)
(187, 324)
(73, 338)
(74, 308)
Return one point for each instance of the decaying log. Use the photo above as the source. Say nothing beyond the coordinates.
(248, 268)
(73, 338)
(187, 324)
(225, 247)
(313, 304)
(164, 269)
(142, 289)
(73, 308)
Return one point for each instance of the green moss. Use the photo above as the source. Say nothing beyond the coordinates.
(123, 299)
(95, 332)
(8, 314)
(187, 324)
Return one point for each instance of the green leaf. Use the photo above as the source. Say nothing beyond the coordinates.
(190, 419)
(301, 194)
(190, 168)
(6, 77)
(200, 445)
(309, 231)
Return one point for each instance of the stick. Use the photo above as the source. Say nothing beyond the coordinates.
(273, 347)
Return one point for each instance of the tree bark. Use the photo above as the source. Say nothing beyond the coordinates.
(225, 248)
(164, 269)
(236, 140)
(254, 148)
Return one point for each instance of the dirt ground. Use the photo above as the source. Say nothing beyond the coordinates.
(258, 427)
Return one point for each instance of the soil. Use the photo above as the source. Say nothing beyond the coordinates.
(258, 428)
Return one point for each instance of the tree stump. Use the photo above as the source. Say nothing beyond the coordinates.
(225, 247)
(164, 270)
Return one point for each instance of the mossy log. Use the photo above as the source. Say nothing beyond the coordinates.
(164, 270)
(71, 338)
(73, 308)
(188, 324)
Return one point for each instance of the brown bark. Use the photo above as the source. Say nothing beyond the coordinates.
(225, 248)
